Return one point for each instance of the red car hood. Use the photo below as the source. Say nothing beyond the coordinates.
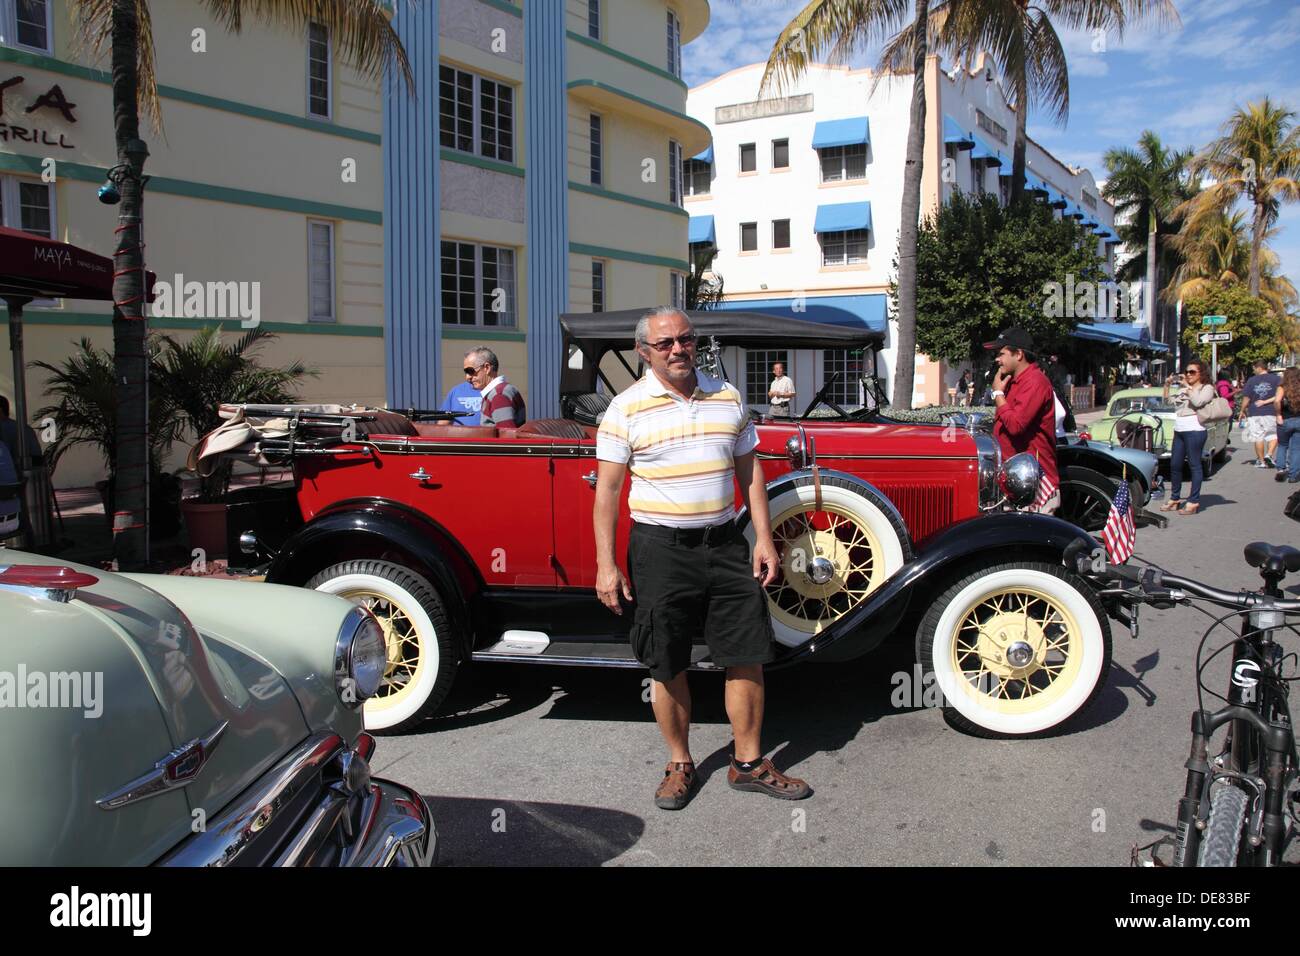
(836, 439)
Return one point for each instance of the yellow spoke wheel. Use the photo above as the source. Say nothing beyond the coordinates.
(401, 641)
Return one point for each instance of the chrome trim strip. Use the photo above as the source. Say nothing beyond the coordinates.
(838, 457)
(178, 769)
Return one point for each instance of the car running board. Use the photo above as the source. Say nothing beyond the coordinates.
(534, 647)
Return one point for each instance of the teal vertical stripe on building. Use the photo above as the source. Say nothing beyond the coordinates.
(412, 326)
(547, 197)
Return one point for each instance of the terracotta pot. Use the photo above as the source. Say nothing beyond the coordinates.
(205, 525)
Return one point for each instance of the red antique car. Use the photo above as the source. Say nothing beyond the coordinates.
(475, 544)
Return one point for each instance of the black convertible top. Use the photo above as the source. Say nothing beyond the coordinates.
(598, 332)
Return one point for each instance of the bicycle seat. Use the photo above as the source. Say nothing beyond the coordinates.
(1274, 558)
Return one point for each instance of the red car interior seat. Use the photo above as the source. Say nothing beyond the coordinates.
(553, 428)
(463, 432)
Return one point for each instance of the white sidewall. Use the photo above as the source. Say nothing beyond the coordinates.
(1091, 639)
(863, 510)
(415, 696)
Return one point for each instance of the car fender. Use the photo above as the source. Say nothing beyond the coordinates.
(1101, 462)
(1000, 536)
(375, 527)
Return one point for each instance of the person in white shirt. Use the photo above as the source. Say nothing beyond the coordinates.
(781, 392)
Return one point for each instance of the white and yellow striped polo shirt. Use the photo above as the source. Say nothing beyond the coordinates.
(681, 452)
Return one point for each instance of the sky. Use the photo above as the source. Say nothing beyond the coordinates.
(1181, 81)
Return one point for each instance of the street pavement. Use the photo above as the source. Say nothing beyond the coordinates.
(543, 765)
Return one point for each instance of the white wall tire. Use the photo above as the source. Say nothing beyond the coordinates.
(966, 637)
(421, 658)
(862, 542)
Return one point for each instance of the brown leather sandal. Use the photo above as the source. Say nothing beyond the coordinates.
(765, 778)
(1173, 504)
(677, 787)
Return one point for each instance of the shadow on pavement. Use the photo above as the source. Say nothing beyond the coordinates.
(487, 832)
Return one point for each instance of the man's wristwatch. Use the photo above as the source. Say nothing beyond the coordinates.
(998, 393)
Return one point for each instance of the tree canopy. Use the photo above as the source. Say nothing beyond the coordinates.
(1256, 329)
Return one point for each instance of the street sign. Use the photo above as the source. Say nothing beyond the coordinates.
(1205, 338)
(1214, 320)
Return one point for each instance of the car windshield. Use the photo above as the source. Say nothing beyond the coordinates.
(1150, 404)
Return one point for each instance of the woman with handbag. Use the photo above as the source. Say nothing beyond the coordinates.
(1189, 403)
(1288, 427)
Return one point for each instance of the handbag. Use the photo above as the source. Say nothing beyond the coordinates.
(1215, 410)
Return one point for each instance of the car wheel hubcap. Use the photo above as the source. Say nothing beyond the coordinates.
(1016, 650)
(401, 640)
(828, 566)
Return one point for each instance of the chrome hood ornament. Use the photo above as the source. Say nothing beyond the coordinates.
(178, 769)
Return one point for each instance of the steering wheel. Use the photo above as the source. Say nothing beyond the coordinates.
(1157, 426)
(822, 397)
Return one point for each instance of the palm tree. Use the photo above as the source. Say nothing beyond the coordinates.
(844, 27)
(364, 34)
(1257, 159)
(1147, 185)
(1217, 254)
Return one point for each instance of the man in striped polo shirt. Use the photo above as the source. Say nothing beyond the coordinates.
(686, 438)
(502, 402)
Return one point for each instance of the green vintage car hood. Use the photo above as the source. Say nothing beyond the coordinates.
(162, 684)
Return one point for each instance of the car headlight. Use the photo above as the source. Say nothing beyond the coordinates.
(990, 465)
(1019, 479)
(359, 656)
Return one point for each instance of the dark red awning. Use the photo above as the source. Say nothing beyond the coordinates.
(31, 265)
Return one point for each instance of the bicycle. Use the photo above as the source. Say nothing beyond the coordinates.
(1242, 808)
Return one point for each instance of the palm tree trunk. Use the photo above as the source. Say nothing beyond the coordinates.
(909, 226)
(131, 470)
(1018, 150)
(1260, 226)
(1149, 296)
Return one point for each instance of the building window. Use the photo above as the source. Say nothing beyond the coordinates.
(748, 158)
(780, 154)
(844, 248)
(320, 271)
(597, 152)
(478, 284)
(593, 19)
(1089, 199)
(847, 389)
(674, 44)
(674, 172)
(475, 114)
(780, 233)
(758, 371)
(844, 162)
(749, 237)
(697, 174)
(318, 71)
(677, 290)
(991, 126)
(597, 285)
(26, 23)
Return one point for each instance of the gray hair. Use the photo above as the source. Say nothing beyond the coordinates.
(484, 354)
(643, 324)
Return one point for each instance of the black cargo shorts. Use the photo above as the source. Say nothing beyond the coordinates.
(693, 582)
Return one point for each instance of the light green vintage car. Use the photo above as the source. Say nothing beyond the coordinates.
(1147, 406)
(190, 722)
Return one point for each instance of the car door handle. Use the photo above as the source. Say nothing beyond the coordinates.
(421, 475)
(590, 478)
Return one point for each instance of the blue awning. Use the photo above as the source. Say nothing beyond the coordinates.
(701, 230)
(1055, 199)
(841, 217)
(851, 311)
(1035, 185)
(983, 151)
(841, 132)
(1119, 333)
(706, 156)
(1073, 211)
(954, 135)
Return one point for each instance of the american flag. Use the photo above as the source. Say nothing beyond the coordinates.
(1046, 488)
(1120, 534)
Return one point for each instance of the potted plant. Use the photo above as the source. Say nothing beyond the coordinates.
(194, 378)
(85, 413)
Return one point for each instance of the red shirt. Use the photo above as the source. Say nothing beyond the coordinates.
(1026, 421)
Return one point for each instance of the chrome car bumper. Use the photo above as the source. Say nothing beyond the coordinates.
(318, 806)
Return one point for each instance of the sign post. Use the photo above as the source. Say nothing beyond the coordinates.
(1212, 339)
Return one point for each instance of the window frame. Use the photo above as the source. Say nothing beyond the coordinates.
(825, 152)
(844, 241)
(596, 149)
(763, 360)
(9, 27)
(329, 73)
(333, 277)
(478, 281)
(599, 279)
(787, 234)
(688, 179)
(751, 225)
(476, 113)
(593, 19)
(838, 360)
(741, 157)
(677, 289)
(676, 194)
(11, 213)
(673, 43)
(784, 141)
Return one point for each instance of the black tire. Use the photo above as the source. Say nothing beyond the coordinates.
(419, 677)
(1221, 841)
(976, 712)
(1086, 497)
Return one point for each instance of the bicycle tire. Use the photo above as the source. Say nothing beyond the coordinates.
(1222, 837)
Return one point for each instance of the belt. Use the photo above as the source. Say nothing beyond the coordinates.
(710, 536)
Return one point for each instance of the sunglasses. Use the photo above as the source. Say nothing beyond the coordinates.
(1191, 371)
(474, 371)
(686, 341)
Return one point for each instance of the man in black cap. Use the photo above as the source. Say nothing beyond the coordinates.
(1026, 411)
